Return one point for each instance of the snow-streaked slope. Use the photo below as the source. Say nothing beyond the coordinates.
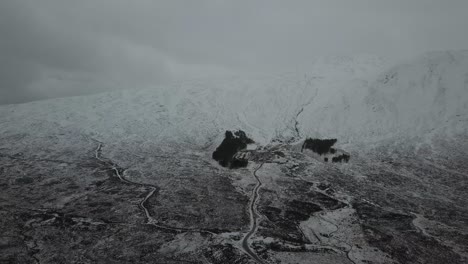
(351, 99)
(429, 93)
(424, 95)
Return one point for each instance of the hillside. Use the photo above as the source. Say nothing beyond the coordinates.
(414, 98)
(129, 176)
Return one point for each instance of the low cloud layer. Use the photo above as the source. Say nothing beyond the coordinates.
(53, 48)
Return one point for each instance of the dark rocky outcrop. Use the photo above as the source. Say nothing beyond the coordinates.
(232, 143)
(319, 146)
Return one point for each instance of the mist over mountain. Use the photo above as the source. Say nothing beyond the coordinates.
(56, 48)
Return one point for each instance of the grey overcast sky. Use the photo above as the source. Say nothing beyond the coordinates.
(52, 48)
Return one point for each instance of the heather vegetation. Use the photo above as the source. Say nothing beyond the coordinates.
(319, 146)
(341, 158)
(324, 146)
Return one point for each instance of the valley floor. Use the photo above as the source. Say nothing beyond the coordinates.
(94, 202)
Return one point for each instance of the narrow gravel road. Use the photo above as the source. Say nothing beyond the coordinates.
(254, 216)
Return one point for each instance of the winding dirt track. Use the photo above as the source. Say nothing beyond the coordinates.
(254, 216)
(118, 171)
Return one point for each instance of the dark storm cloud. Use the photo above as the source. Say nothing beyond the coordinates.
(54, 48)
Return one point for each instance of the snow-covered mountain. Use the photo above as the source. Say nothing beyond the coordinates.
(351, 99)
(129, 176)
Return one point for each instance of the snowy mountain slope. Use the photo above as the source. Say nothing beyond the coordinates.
(332, 101)
(430, 93)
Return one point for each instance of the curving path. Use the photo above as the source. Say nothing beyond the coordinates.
(254, 216)
(118, 171)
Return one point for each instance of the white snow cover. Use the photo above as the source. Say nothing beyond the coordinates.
(352, 99)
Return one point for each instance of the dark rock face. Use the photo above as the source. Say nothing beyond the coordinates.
(231, 144)
(319, 146)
